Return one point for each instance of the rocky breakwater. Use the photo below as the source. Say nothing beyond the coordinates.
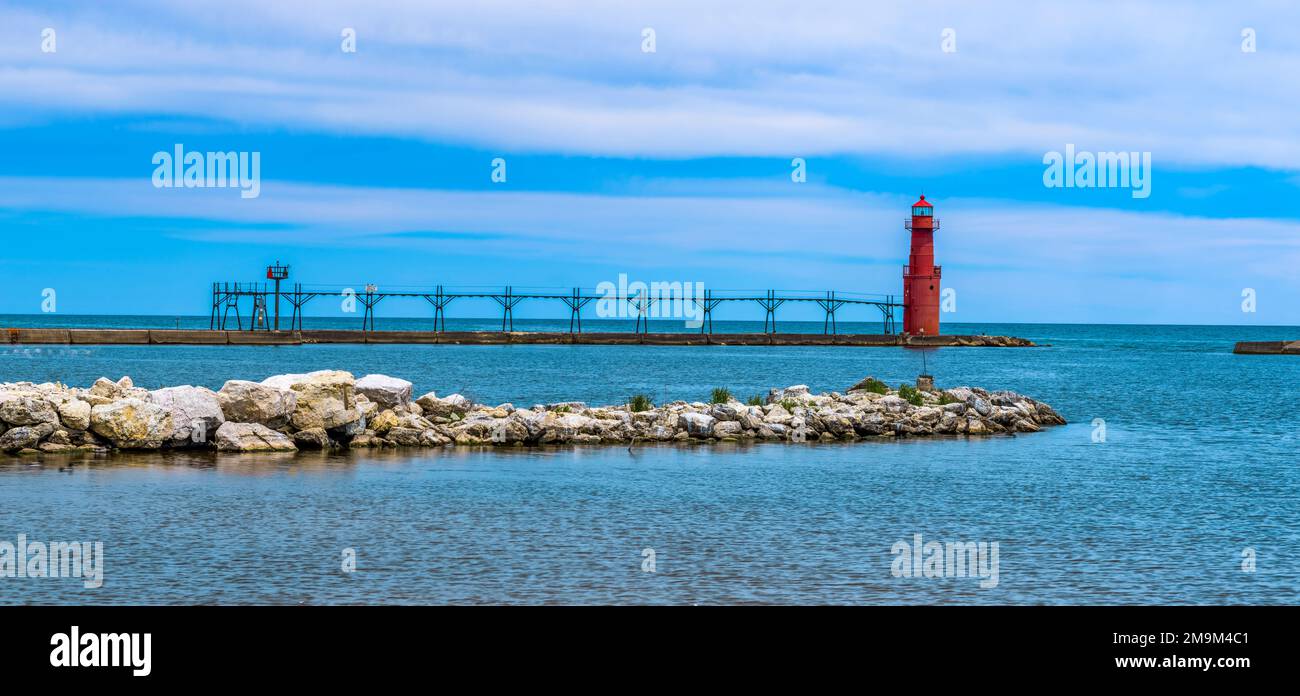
(331, 409)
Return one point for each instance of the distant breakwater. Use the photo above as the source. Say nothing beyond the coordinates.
(332, 409)
(1267, 348)
(57, 336)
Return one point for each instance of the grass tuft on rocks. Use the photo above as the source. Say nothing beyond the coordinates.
(875, 386)
(909, 394)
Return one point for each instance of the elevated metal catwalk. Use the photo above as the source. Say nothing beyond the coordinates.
(228, 297)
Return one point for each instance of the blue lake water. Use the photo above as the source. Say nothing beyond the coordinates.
(1198, 464)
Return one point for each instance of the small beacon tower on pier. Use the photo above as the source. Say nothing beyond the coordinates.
(920, 276)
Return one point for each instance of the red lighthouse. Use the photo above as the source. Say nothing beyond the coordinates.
(920, 275)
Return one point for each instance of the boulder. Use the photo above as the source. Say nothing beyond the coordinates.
(21, 437)
(26, 410)
(252, 437)
(104, 391)
(367, 438)
(445, 407)
(288, 381)
(959, 393)
(325, 399)
(776, 413)
(533, 421)
(728, 411)
(333, 378)
(348, 430)
(870, 425)
(510, 431)
(44, 429)
(368, 408)
(979, 405)
(698, 424)
(106, 388)
(196, 413)
(567, 406)
(312, 438)
(725, 429)
(75, 414)
(1047, 415)
(1025, 425)
(388, 392)
(249, 402)
(385, 421)
(424, 401)
(559, 427)
(1007, 398)
(797, 392)
(893, 404)
(405, 437)
(132, 424)
(433, 438)
(837, 424)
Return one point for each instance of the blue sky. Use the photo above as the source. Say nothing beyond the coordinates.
(665, 165)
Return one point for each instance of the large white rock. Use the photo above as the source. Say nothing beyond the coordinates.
(196, 413)
(576, 421)
(283, 381)
(727, 412)
(426, 401)
(699, 424)
(727, 429)
(434, 407)
(559, 427)
(798, 392)
(252, 437)
(325, 399)
(388, 392)
(75, 414)
(26, 410)
(106, 388)
(249, 402)
(132, 424)
(333, 377)
(104, 391)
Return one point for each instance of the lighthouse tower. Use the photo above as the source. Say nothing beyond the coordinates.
(920, 275)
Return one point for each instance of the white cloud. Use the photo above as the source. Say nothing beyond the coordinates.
(773, 78)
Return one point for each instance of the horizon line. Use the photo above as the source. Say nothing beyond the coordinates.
(602, 319)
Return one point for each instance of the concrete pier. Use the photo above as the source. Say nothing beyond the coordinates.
(1267, 348)
(31, 336)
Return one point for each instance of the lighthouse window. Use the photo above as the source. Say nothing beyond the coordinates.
(927, 210)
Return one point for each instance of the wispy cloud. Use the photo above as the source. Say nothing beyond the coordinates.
(780, 78)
